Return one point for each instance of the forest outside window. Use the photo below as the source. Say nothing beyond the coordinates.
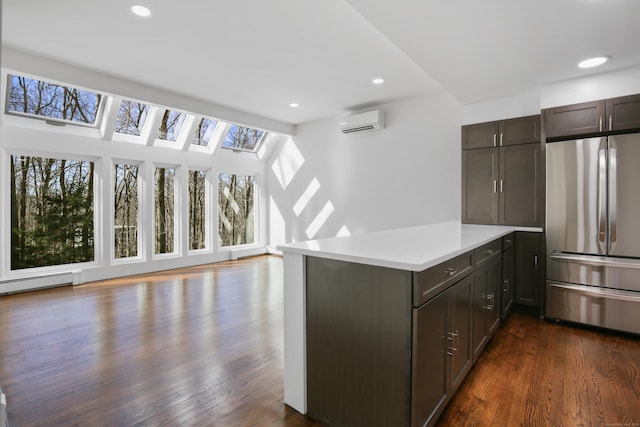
(203, 132)
(126, 205)
(170, 125)
(164, 210)
(241, 138)
(48, 101)
(197, 209)
(131, 117)
(52, 212)
(236, 214)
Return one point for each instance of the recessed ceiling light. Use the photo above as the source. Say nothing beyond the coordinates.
(141, 10)
(294, 105)
(593, 62)
(377, 81)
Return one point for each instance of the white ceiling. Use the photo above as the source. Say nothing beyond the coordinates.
(260, 55)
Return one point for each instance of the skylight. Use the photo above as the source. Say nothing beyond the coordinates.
(203, 132)
(170, 125)
(131, 117)
(48, 101)
(241, 138)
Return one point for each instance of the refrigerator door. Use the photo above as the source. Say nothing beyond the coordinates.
(576, 196)
(624, 195)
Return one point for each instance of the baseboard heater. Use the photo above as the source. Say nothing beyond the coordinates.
(10, 286)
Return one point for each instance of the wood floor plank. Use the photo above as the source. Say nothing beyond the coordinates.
(202, 346)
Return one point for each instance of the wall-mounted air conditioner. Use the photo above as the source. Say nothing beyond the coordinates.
(363, 122)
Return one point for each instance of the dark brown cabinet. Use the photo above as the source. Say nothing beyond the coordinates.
(521, 130)
(487, 280)
(502, 185)
(519, 185)
(591, 118)
(442, 351)
(508, 259)
(623, 113)
(528, 268)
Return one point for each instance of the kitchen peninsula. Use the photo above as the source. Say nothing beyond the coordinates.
(381, 328)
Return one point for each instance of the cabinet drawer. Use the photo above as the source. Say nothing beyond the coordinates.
(485, 253)
(507, 242)
(430, 282)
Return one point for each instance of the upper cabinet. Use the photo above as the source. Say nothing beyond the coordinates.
(502, 184)
(521, 130)
(591, 118)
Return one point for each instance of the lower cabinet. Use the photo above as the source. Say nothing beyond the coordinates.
(528, 268)
(508, 279)
(487, 282)
(441, 351)
(389, 347)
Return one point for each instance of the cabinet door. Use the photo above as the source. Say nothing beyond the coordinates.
(494, 286)
(528, 277)
(480, 199)
(429, 360)
(479, 311)
(579, 119)
(623, 113)
(520, 185)
(481, 135)
(460, 332)
(522, 130)
(507, 282)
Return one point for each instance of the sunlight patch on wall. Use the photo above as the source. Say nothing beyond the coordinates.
(287, 164)
(344, 231)
(276, 223)
(311, 190)
(319, 220)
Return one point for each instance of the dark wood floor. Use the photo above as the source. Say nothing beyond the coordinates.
(203, 346)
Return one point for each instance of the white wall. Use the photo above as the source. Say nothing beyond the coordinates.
(406, 174)
(588, 88)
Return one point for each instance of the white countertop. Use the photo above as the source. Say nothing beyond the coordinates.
(413, 248)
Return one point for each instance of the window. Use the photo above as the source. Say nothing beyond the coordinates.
(131, 117)
(170, 125)
(51, 212)
(164, 210)
(243, 139)
(126, 211)
(40, 99)
(197, 212)
(203, 132)
(235, 209)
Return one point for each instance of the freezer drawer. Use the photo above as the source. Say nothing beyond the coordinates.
(607, 308)
(615, 273)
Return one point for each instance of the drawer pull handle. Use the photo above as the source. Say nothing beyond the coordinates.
(450, 271)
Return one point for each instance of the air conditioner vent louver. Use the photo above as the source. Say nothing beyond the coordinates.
(363, 122)
(359, 129)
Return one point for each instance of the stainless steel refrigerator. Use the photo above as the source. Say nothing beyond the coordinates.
(593, 231)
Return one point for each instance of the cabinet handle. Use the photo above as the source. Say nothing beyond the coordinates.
(450, 271)
(535, 262)
(494, 140)
(610, 121)
(501, 181)
(501, 139)
(600, 125)
(495, 186)
(506, 286)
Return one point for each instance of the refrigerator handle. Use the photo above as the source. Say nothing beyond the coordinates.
(613, 194)
(602, 197)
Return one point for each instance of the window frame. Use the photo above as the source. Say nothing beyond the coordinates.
(97, 208)
(256, 209)
(53, 120)
(244, 150)
(140, 195)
